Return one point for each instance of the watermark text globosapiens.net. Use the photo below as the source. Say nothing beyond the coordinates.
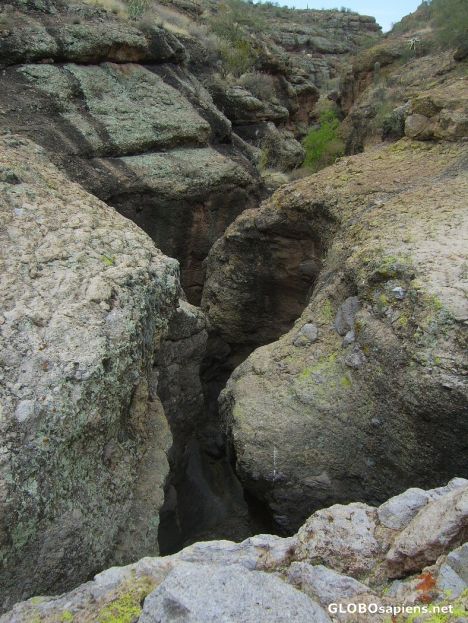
(374, 608)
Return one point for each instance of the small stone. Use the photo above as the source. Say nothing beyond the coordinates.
(344, 321)
(307, 335)
(399, 293)
(349, 339)
(310, 331)
(355, 359)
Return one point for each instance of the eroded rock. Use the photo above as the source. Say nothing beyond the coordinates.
(438, 526)
(349, 419)
(202, 594)
(86, 300)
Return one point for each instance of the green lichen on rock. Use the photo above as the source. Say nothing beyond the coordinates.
(458, 610)
(127, 606)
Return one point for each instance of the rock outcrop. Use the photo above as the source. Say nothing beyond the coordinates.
(86, 300)
(147, 139)
(203, 496)
(352, 283)
(342, 556)
(366, 392)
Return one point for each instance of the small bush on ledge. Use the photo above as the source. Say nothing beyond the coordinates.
(323, 145)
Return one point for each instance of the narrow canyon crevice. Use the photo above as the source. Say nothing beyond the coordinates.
(204, 498)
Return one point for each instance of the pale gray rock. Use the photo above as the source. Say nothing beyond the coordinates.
(450, 582)
(453, 574)
(234, 580)
(344, 320)
(341, 537)
(195, 593)
(83, 436)
(438, 526)
(324, 584)
(438, 492)
(397, 512)
(355, 359)
(307, 335)
(349, 338)
(262, 552)
(458, 560)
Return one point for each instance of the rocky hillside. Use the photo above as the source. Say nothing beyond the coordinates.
(266, 66)
(344, 554)
(408, 72)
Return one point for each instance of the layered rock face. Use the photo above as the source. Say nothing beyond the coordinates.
(366, 393)
(86, 300)
(146, 139)
(319, 40)
(343, 555)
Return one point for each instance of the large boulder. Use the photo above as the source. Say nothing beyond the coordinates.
(376, 400)
(441, 114)
(202, 594)
(242, 107)
(86, 301)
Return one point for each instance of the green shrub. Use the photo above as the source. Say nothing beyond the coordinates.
(136, 8)
(259, 84)
(323, 145)
(233, 17)
(232, 25)
(238, 57)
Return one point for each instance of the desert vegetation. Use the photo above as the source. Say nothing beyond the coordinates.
(323, 145)
(448, 18)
